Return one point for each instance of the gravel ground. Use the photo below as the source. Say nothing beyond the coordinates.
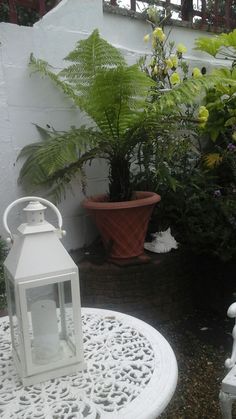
(201, 344)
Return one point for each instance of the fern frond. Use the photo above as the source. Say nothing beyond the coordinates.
(229, 39)
(189, 90)
(225, 75)
(43, 132)
(210, 45)
(93, 54)
(98, 82)
(41, 66)
(117, 97)
(90, 57)
(224, 44)
(49, 160)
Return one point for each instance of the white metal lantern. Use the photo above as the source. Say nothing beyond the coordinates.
(43, 298)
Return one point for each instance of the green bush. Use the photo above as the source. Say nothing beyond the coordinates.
(196, 169)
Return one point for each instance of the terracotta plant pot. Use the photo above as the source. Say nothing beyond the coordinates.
(122, 225)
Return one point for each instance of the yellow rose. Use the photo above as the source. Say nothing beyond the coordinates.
(175, 78)
(159, 34)
(181, 48)
(175, 61)
(169, 63)
(203, 115)
(155, 70)
(197, 73)
(146, 38)
(152, 12)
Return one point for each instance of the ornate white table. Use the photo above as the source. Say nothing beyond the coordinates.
(131, 374)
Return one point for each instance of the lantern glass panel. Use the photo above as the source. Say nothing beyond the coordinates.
(50, 321)
(13, 319)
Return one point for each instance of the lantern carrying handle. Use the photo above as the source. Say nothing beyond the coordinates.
(26, 199)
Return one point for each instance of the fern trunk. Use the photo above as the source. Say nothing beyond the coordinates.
(119, 179)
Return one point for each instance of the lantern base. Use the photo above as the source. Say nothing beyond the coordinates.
(49, 375)
(39, 378)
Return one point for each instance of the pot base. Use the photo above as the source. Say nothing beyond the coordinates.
(138, 260)
(122, 225)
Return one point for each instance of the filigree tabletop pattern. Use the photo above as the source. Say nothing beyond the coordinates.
(122, 361)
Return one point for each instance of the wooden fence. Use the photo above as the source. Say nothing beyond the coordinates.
(217, 13)
(11, 10)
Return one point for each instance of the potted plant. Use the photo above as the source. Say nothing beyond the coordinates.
(114, 97)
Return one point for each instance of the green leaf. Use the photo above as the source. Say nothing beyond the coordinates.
(230, 121)
(211, 45)
(229, 39)
(187, 91)
(214, 134)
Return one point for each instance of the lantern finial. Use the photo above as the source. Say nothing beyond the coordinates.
(35, 212)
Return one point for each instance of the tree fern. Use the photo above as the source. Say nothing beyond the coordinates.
(112, 94)
(115, 96)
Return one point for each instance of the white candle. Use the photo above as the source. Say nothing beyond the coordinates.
(45, 330)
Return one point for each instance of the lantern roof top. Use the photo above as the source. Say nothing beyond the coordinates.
(38, 255)
(35, 206)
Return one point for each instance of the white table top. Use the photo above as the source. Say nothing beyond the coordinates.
(131, 374)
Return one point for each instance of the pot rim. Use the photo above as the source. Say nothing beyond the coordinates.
(141, 198)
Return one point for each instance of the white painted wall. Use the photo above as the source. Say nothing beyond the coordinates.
(26, 100)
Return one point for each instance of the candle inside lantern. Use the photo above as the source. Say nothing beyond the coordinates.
(46, 342)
